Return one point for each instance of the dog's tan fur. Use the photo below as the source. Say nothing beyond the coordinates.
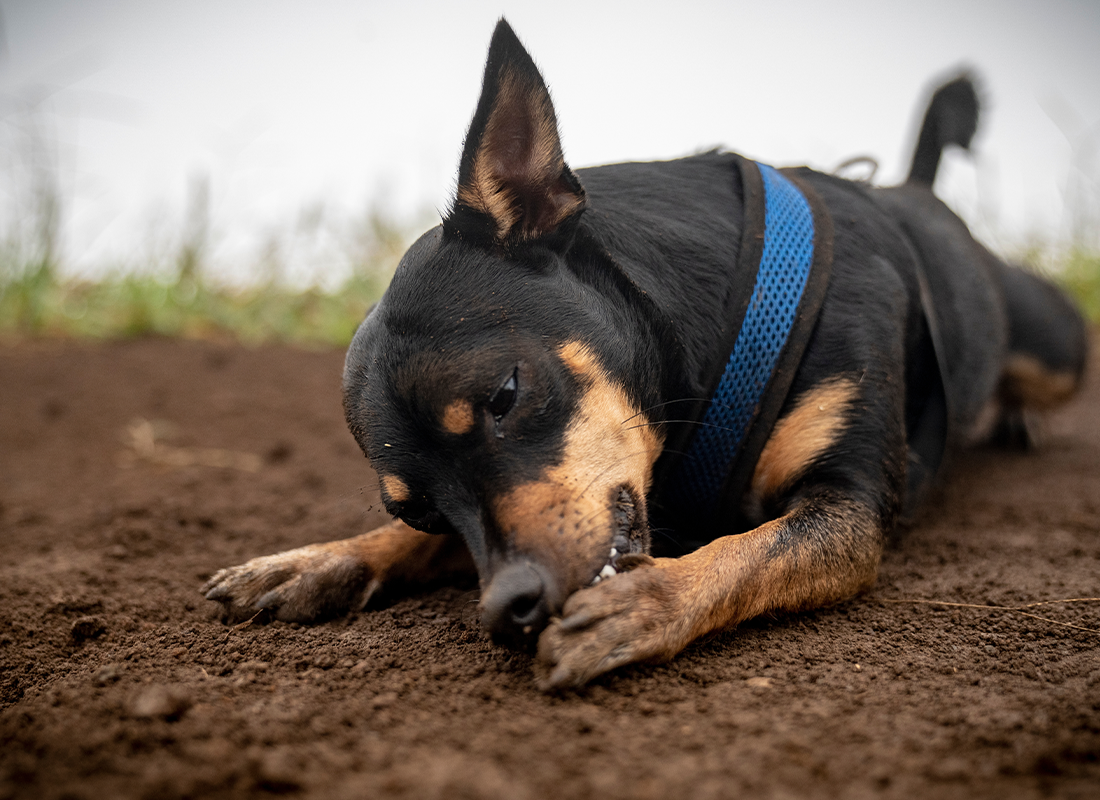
(345, 573)
(800, 438)
(1027, 383)
(395, 488)
(458, 417)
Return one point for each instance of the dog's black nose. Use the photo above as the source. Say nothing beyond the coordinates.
(516, 606)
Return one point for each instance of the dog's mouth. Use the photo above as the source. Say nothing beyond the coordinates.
(630, 540)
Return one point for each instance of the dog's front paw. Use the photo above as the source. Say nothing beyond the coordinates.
(301, 585)
(634, 616)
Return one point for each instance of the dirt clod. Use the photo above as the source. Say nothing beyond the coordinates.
(87, 628)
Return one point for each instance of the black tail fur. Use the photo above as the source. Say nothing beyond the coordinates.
(951, 118)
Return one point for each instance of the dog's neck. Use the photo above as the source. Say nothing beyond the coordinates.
(691, 296)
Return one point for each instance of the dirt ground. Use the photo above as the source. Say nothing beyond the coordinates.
(130, 472)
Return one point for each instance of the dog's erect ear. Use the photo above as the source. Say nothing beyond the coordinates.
(513, 182)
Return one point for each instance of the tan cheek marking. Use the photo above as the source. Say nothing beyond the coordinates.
(395, 488)
(458, 417)
(567, 515)
(1027, 383)
(811, 428)
(609, 440)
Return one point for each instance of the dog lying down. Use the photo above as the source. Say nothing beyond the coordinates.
(765, 368)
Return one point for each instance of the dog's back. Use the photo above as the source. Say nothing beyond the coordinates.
(1005, 335)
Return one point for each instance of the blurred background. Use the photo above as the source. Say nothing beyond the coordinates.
(257, 167)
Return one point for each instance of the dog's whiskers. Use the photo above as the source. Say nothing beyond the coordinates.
(711, 401)
(666, 403)
(685, 421)
(611, 466)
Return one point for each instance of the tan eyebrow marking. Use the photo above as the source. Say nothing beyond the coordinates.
(458, 417)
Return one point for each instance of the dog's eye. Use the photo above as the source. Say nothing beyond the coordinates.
(501, 402)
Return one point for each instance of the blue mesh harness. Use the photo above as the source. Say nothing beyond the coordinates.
(715, 468)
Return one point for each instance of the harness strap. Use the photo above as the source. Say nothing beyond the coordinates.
(791, 273)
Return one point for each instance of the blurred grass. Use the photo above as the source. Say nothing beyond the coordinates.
(131, 305)
(183, 302)
(1080, 275)
(35, 302)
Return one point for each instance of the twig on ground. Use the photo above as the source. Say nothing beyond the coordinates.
(240, 626)
(1015, 609)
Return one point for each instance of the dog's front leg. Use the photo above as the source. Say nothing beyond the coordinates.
(322, 580)
(822, 551)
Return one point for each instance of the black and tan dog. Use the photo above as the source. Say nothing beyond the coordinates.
(558, 373)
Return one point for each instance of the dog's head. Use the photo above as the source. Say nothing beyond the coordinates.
(489, 387)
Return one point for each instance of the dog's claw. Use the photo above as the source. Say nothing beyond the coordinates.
(269, 601)
(577, 622)
(616, 622)
(296, 586)
(212, 590)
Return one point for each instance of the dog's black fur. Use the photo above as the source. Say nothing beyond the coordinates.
(516, 386)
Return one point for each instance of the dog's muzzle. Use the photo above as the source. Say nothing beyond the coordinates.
(524, 594)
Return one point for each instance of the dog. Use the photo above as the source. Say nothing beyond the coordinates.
(647, 401)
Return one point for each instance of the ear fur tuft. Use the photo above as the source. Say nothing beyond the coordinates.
(513, 182)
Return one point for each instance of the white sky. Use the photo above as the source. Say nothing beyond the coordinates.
(340, 106)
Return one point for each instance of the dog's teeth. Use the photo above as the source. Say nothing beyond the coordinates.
(595, 580)
(607, 571)
(614, 553)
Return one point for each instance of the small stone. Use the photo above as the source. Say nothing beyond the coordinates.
(384, 700)
(108, 673)
(759, 682)
(118, 552)
(163, 702)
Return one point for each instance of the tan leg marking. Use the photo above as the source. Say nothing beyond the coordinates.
(819, 553)
(814, 425)
(336, 577)
(1027, 383)
(566, 517)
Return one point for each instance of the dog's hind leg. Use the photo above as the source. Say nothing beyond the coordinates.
(332, 578)
(824, 550)
(1047, 349)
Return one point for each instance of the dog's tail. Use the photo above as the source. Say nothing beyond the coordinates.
(951, 118)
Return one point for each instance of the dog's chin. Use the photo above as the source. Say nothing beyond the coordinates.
(629, 546)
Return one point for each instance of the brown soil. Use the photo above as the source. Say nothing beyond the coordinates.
(130, 472)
